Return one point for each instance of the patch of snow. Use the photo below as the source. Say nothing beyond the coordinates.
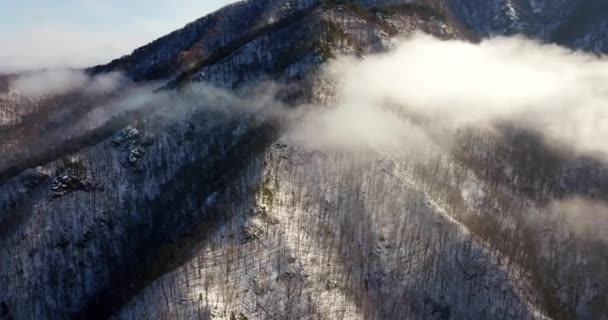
(536, 5)
(472, 192)
(211, 200)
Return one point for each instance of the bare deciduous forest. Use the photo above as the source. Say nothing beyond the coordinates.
(170, 211)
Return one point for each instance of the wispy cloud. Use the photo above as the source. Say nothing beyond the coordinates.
(393, 100)
(452, 84)
(61, 81)
(585, 218)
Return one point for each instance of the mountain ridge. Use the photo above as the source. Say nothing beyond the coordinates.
(204, 214)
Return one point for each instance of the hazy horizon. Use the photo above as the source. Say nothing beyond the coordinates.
(39, 34)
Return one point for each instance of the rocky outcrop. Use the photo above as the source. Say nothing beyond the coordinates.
(72, 176)
(32, 178)
(133, 143)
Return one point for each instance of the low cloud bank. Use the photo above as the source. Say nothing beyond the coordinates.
(585, 218)
(56, 82)
(389, 102)
(386, 99)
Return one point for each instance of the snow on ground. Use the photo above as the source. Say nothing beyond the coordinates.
(324, 243)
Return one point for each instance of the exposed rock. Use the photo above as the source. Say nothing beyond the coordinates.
(71, 177)
(33, 178)
(132, 142)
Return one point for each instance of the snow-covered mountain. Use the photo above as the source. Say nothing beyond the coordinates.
(578, 24)
(180, 212)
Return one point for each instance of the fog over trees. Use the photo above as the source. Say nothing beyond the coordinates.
(275, 160)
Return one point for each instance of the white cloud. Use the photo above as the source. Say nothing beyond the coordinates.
(55, 82)
(586, 218)
(391, 101)
(451, 84)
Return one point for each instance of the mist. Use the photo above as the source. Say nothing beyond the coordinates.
(61, 81)
(585, 218)
(393, 99)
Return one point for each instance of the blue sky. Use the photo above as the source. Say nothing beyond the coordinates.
(79, 33)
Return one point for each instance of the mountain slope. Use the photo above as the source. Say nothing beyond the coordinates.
(576, 24)
(188, 212)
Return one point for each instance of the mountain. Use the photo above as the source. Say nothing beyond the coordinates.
(169, 211)
(576, 24)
